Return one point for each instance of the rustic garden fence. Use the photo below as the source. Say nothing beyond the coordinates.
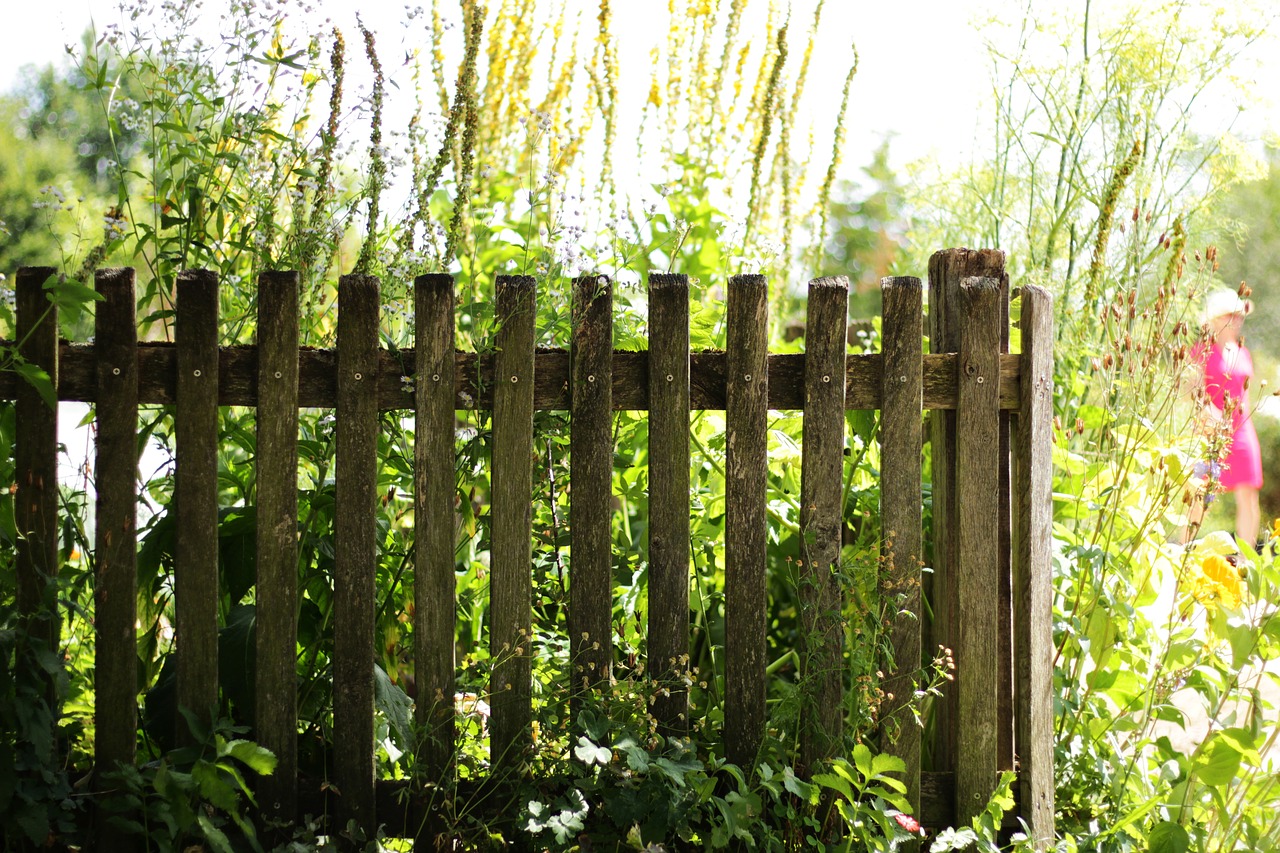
(989, 586)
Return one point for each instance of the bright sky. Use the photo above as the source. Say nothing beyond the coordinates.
(904, 85)
(922, 75)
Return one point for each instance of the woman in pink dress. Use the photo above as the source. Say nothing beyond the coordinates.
(1225, 408)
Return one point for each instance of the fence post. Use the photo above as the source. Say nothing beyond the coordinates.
(946, 270)
(901, 433)
(590, 485)
(355, 549)
(821, 520)
(276, 595)
(116, 533)
(669, 498)
(434, 587)
(977, 492)
(1033, 570)
(196, 499)
(746, 520)
(36, 470)
(511, 575)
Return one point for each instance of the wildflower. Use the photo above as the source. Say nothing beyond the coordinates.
(908, 823)
(1218, 582)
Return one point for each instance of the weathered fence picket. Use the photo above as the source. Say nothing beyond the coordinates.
(36, 457)
(434, 486)
(669, 497)
(591, 484)
(355, 547)
(822, 519)
(195, 422)
(746, 524)
(1032, 567)
(116, 532)
(276, 537)
(511, 575)
(901, 434)
(990, 586)
(977, 583)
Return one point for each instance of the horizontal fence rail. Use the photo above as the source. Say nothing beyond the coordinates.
(987, 589)
(157, 368)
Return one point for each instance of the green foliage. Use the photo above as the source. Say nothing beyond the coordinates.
(192, 795)
(1102, 183)
(241, 155)
(865, 243)
(36, 798)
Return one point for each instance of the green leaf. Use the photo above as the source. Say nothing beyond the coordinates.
(884, 763)
(214, 789)
(862, 760)
(34, 822)
(394, 704)
(1168, 838)
(589, 753)
(799, 787)
(835, 783)
(1218, 761)
(678, 770)
(216, 837)
(257, 758)
(38, 379)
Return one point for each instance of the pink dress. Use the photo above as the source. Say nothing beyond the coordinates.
(1225, 370)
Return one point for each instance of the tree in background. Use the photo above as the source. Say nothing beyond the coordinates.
(866, 239)
(56, 153)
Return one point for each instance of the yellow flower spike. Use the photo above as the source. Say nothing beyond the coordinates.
(1275, 529)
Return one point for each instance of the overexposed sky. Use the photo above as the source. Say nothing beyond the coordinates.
(921, 67)
(923, 73)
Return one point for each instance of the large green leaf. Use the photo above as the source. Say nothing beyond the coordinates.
(1168, 837)
(1218, 761)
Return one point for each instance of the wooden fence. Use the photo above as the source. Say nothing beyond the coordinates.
(990, 581)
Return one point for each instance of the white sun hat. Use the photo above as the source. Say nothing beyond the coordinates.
(1221, 301)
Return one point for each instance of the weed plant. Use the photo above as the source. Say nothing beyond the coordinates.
(1100, 183)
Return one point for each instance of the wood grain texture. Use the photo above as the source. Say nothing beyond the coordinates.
(746, 519)
(116, 534)
(977, 492)
(1004, 545)
(474, 384)
(434, 490)
(35, 456)
(946, 270)
(669, 498)
(196, 498)
(276, 654)
(822, 521)
(355, 548)
(901, 515)
(1033, 570)
(511, 576)
(591, 485)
